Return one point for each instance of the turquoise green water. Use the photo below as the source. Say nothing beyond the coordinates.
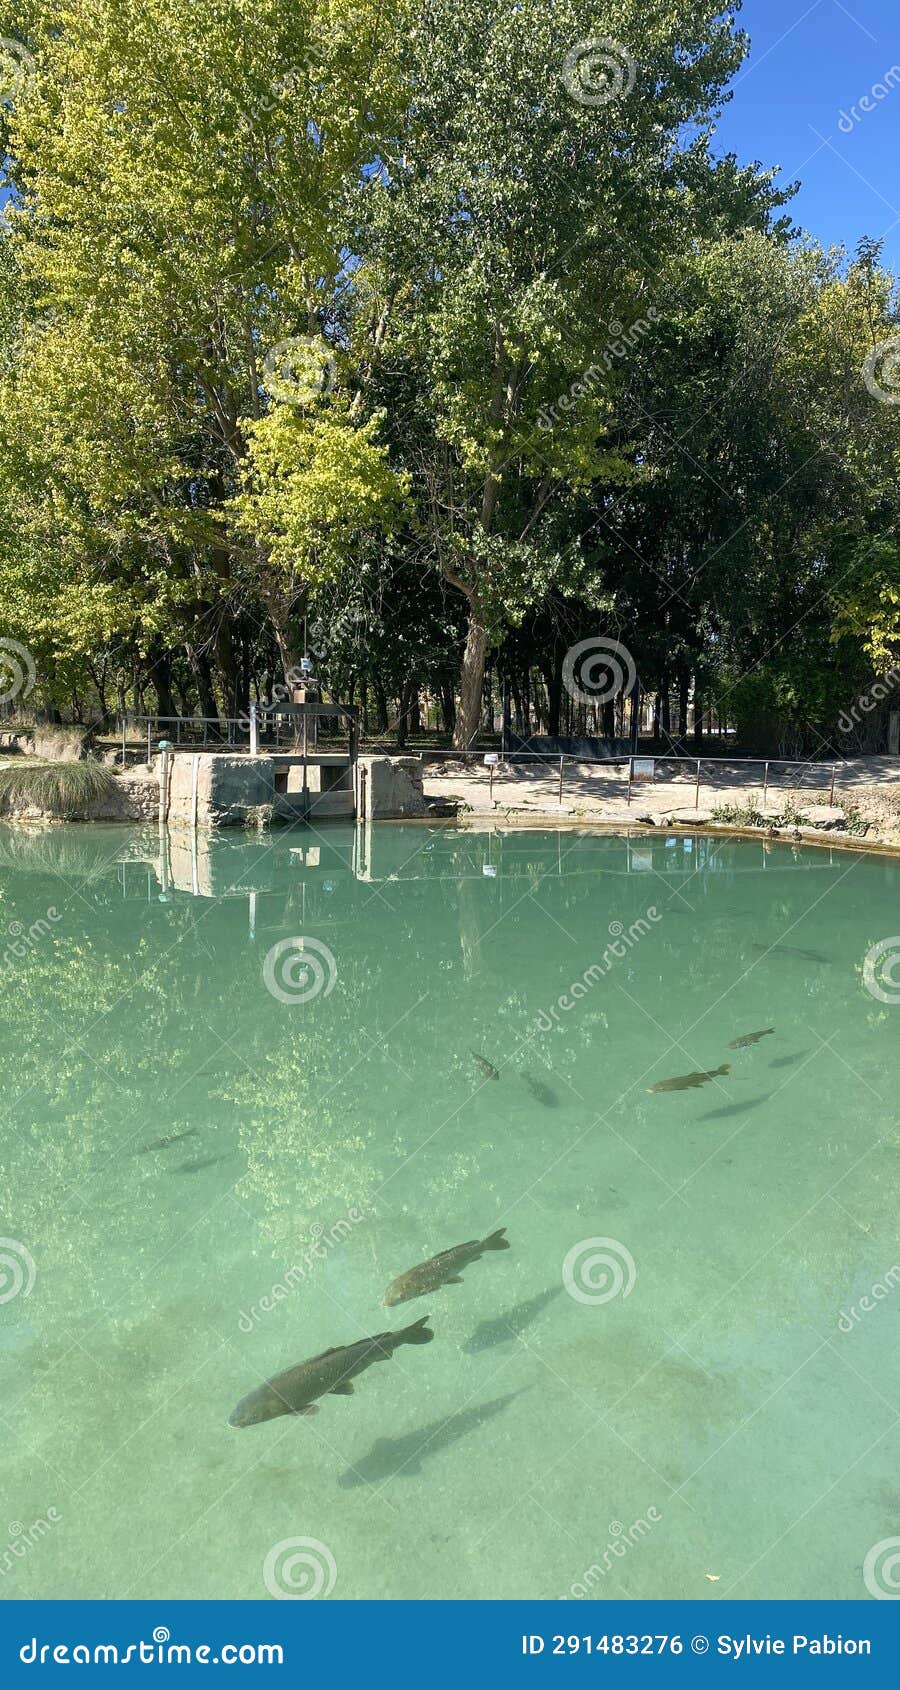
(717, 1410)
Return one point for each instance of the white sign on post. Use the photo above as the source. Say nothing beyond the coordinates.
(643, 768)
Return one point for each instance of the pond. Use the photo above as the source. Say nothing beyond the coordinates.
(681, 1379)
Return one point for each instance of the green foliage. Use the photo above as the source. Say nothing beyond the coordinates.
(581, 375)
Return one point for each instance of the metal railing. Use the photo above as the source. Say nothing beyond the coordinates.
(558, 760)
(243, 731)
(229, 730)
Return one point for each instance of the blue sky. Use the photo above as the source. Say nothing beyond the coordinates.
(811, 63)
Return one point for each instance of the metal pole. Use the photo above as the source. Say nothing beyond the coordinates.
(491, 784)
(561, 765)
(149, 759)
(833, 774)
(630, 772)
(766, 784)
(697, 788)
(123, 742)
(254, 731)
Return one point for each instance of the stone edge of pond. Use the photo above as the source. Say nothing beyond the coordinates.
(861, 844)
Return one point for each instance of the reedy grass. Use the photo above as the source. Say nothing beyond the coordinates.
(59, 788)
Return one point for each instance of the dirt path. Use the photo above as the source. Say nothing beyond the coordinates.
(866, 791)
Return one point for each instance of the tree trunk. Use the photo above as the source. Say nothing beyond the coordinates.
(466, 731)
(200, 664)
(554, 699)
(381, 704)
(684, 681)
(448, 708)
(698, 718)
(406, 698)
(160, 677)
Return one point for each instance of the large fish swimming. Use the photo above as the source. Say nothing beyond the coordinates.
(793, 950)
(332, 1373)
(163, 1143)
(750, 1039)
(687, 1082)
(487, 1068)
(443, 1269)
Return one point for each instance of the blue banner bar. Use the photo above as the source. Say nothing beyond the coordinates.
(436, 1644)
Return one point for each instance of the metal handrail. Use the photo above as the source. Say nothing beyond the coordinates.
(696, 763)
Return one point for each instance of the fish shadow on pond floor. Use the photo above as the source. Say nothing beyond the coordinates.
(788, 1061)
(506, 1327)
(729, 1110)
(390, 1457)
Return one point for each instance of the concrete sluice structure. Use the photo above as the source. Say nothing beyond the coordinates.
(211, 789)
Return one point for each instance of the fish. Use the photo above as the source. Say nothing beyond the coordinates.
(295, 1390)
(199, 1162)
(487, 1068)
(540, 1092)
(794, 950)
(686, 1082)
(163, 1143)
(442, 1269)
(749, 1039)
(787, 1061)
(506, 1327)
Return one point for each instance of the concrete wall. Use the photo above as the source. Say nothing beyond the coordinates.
(388, 788)
(217, 789)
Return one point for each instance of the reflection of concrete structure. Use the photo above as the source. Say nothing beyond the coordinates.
(321, 866)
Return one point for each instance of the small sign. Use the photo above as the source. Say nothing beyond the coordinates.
(491, 759)
(643, 768)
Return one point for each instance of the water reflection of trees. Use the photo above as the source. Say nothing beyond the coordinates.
(114, 1019)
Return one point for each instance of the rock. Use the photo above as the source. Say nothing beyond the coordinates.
(822, 816)
(697, 818)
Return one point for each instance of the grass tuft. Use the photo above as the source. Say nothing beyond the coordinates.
(59, 788)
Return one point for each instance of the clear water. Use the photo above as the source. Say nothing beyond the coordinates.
(730, 1425)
